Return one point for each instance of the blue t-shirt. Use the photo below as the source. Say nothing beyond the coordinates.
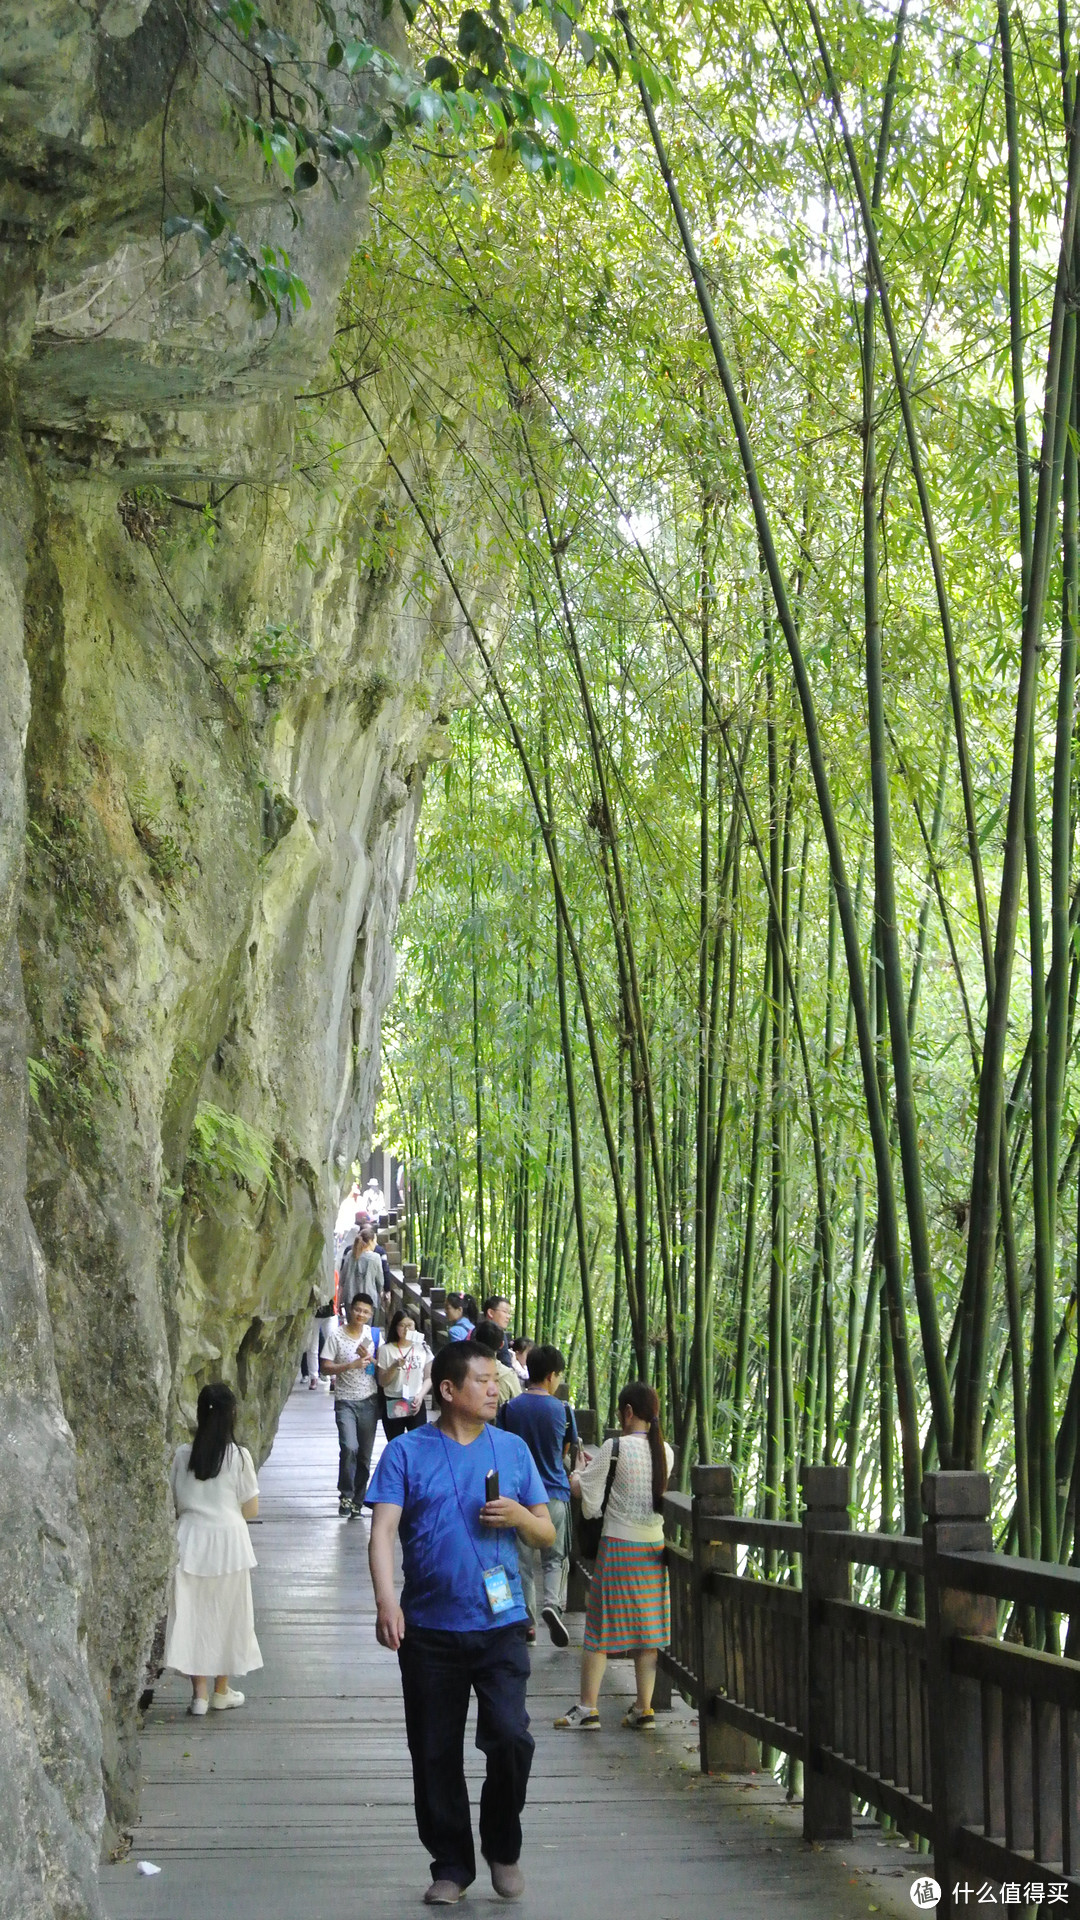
(439, 1486)
(461, 1330)
(545, 1424)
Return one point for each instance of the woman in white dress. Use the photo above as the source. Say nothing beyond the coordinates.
(211, 1624)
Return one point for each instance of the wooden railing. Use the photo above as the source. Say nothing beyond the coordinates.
(963, 1738)
(426, 1302)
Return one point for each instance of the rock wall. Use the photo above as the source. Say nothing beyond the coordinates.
(221, 682)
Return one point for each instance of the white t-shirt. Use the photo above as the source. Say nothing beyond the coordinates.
(346, 1213)
(359, 1383)
(401, 1371)
(630, 1512)
(211, 1532)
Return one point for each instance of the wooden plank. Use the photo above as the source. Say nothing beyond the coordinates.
(870, 1623)
(902, 1551)
(1022, 1670)
(1007, 1577)
(767, 1595)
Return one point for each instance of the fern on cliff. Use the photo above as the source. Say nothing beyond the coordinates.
(224, 1150)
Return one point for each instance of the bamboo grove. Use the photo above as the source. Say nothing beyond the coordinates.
(736, 1029)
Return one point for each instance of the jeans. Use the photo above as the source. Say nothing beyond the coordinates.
(438, 1671)
(554, 1562)
(357, 1421)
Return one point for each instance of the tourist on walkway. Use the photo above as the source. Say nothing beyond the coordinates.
(346, 1218)
(370, 1277)
(546, 1425)
(497, 1314)
(348, 1360)
(318, 1328)
(211, 1623)
(490, 1338)
(627, 1607)
(462, 1314)
(404, 1371)
(460, 1624)
(520, 1350)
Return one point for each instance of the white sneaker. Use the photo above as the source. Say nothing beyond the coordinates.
(230, 1698)
(198, 1706)
(585, 1718)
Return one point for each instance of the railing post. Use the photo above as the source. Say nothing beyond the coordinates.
(826, 1803)
(723, 1748)
(957, 1507)
(661, 1698)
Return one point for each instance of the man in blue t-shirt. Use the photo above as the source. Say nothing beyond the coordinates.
(460, 1624)
(546, 1425)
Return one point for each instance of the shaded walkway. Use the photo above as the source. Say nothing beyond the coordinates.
(298, 1806)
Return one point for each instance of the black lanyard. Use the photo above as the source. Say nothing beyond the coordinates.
(499, 1562)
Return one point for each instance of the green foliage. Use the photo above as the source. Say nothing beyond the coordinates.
(41, 1078)
(168, 860)
(277, 657)
(61, 858)
(72, 1076)
(372, 694)
(335, 107)
(225, 1151)
(586, 429)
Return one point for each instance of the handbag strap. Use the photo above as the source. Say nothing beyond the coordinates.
(610, 1482)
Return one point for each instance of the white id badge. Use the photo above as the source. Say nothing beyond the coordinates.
(500, 1598)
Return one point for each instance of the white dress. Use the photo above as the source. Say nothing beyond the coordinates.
(211, 1624)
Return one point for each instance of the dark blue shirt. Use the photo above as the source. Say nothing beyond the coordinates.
(545, 1424)
(439, 1486)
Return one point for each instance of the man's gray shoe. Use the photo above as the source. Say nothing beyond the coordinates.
(556, 1626)
(508, 1882)
(443, 1893)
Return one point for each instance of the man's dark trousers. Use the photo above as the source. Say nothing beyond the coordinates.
(438, 1670)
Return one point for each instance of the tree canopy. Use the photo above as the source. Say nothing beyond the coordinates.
(736, 1024)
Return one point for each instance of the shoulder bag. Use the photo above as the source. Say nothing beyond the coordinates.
(589, 1531)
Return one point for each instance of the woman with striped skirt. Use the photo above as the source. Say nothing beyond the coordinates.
(627, 1610)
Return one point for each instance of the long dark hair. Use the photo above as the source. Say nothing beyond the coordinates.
(215, 1432)
(395, 1322)
(644, 1405)
(469, 1308)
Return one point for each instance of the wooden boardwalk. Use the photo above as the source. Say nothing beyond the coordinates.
(298, 1806)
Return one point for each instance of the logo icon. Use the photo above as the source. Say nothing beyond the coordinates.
(925, 1893)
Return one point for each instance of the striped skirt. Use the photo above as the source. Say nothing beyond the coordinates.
(627, 1610)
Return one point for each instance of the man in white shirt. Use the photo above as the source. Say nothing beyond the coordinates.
(348, 1358)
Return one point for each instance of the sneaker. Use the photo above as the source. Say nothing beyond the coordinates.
(556, 1626)
(231, 1697)
(641, 1717)
(508, 1881)
(586, 1718)
(198, 1707)
(443, 1893)
(345, 1506)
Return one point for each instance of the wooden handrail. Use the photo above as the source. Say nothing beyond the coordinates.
(962, 1738)
(1033, 1583)
(900, 1552)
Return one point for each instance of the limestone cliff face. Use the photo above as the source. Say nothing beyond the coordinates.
(221, 682)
